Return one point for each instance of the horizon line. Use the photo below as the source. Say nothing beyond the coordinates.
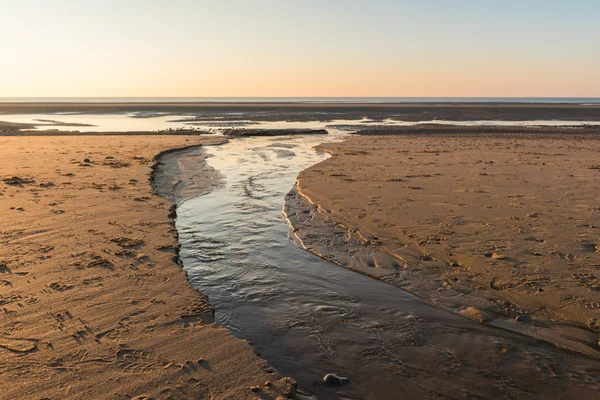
(300, 97)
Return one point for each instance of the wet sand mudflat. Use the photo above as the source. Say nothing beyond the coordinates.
(488, 226)
(93, 303)
(25, 129)
(323, 111)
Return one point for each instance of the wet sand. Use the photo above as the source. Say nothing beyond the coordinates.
(479, 130)
(491, 226)
(308, 317)
(23, 129)
(93, 302)
(328, 111)
(488, 227)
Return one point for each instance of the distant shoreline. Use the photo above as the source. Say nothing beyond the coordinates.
(282, 111)
(312, 100)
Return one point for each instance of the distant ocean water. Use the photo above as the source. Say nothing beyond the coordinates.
(570, 100)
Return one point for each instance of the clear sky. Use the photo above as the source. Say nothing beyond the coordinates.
(55, 48)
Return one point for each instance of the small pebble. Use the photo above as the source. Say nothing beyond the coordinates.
(335, 380)
(187, 365)
(523, 318)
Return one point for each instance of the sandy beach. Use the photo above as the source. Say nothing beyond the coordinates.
(93, 302)
(495, 224)
(492, 227)
(384, 200)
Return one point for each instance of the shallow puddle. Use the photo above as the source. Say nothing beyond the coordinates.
(155, 122)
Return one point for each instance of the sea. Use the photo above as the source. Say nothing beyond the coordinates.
(549, 100)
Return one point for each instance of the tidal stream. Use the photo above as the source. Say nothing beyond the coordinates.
(307, 317)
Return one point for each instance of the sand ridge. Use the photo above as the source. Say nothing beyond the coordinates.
(93, 303)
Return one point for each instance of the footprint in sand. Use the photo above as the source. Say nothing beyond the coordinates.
(93, 281)
(59, 287)
(19, 346)
(126, 242)
(590, 281)
(95, 262)
(134, 361)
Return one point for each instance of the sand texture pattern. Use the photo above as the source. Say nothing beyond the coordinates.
(494, 228)
(93, 302)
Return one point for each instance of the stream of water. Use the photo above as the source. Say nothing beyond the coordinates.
(308, 317)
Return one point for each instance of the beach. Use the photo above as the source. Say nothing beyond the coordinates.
(493, 227)
(489, 224)
(94, 304)
(383, 200)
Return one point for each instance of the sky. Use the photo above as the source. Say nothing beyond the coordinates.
(311, 48)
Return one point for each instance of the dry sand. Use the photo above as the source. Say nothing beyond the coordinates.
(491, 227)
(93, 303)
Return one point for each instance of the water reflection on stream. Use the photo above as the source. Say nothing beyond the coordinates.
(308, 317)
